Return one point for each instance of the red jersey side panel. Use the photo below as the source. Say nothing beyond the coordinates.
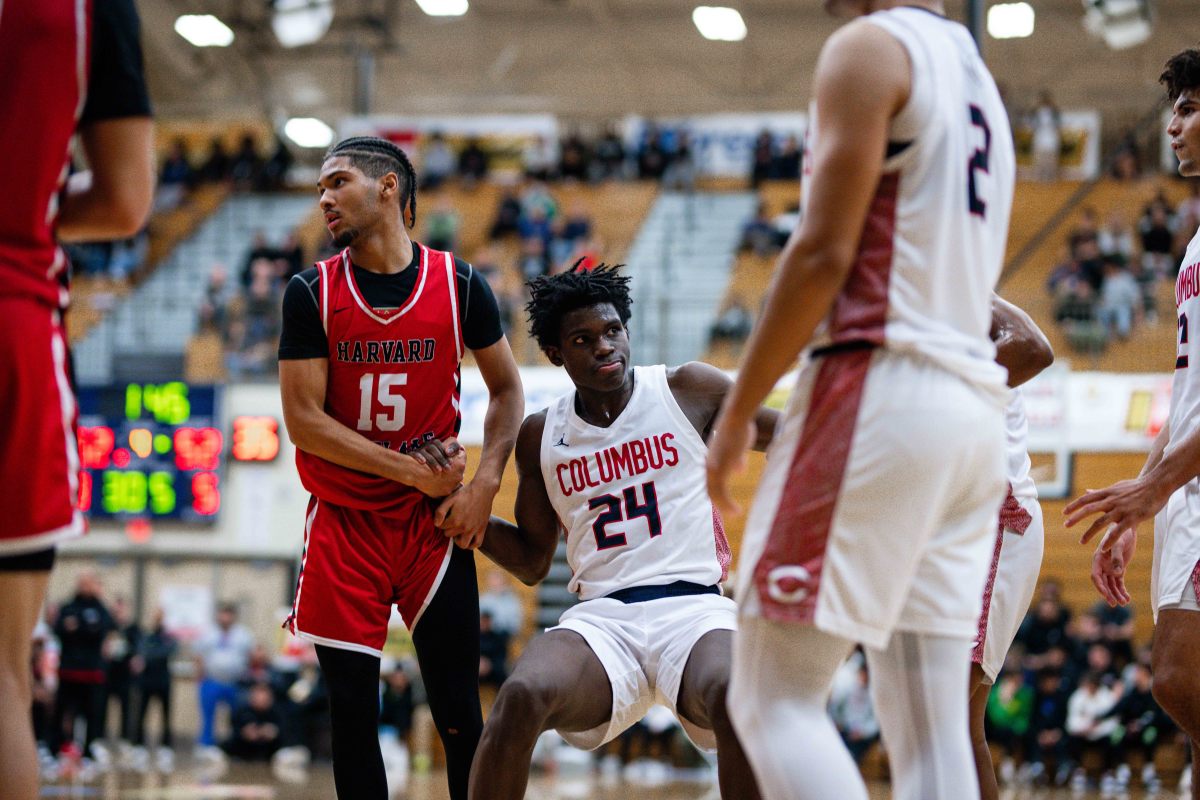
(43, 83)
(393, 376)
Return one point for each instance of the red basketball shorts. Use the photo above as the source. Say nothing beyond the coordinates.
(39, 461)
(358, 564)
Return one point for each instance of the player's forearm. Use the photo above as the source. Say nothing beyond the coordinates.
(500, 426)
(319, 434)
(804, 289)
(1176, 468)
(510, 548)
(1157, 448)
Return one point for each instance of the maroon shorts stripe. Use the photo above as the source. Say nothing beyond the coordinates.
(1196, 580)
(860, 311)
(988, 589)
(789, 572)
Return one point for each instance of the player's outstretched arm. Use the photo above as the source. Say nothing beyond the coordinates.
(857, 98)
(527, 548)
(112, 199)
(302, 384)
(1021, 347)
(465, 513)
(700, 388)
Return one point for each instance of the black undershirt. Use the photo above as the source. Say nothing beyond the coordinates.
(303, 336)
(116, 84)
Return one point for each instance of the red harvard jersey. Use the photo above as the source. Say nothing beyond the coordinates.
(43, 82)
(393, 376)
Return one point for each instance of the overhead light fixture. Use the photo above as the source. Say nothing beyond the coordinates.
(204, 30)
(719, 23)
(444, 8)
(1120, 23)
(300, 22)
(1010, 21)
(308, 132)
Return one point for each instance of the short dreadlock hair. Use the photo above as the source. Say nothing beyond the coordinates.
(377, 157)
(1182, 73)
(554, 296)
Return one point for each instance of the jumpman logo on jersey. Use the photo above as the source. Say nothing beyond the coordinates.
(562, 441)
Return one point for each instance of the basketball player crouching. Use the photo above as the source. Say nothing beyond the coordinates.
(620, 462)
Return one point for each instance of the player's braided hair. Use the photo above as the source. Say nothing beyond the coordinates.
(377, 157)
(554, 296)
(1182, 73)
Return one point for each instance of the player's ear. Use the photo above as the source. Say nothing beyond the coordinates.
(554, 355)
(389, 185)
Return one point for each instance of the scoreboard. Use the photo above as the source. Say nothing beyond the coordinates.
(150, 450)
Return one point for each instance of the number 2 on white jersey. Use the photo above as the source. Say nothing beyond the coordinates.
(393, 419)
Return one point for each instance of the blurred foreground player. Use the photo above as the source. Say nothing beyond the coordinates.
(1023, 350)
(618, 463)
(1168, 488)
(874, 522)
(369, 371)
(66, 66)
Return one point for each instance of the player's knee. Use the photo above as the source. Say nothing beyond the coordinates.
(524, 702)
(1174, 689)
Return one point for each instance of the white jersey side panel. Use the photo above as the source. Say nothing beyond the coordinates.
(1185, 389)
(632, 497)
(933, 245)
(1016, 448)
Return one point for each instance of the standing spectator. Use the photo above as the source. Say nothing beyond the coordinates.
(260, 248)
(502, 603)
(42, 686)
(82, 626)
(437, 162)
(123, 667)
(759, 235)
(652, 158)
(574, 163)
(473, 162)
(1046, 122)
(175, 177)
(787, 163)
(1048, 734)
(854, 715)
(680, 175)
(579, 222)
(222, 659)
(1120, 299)
(257, 726)
(762, 159)
(273, 175)
(540, 158)
(508, 216)
(1157, 240)
(1009, 711)
(218, 165)
(247, 164)
(493, 652)
(156, 650)
(610, 155)
(1088, 726)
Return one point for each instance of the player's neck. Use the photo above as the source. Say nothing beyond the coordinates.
(601, 408)
(386, 250)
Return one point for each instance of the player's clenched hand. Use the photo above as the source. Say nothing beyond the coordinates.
(727, 457)
(1122, 505)
(464, 515)
(1109, 565)
(442, 466)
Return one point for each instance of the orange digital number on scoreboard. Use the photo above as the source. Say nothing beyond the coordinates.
(255, 438)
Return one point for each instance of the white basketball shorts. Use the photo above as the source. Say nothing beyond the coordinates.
(1176, 565)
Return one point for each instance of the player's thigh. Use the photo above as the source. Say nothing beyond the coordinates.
(705, 679)
(560, 677)
(21, 597)
(1176, 650)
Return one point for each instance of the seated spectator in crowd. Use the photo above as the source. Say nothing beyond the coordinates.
(539, 158)
(652, 159)
(260, 248)
(1116, 629)
(222, 658)
(1142, 726)
(733, 324)
(1088, 726)
(1120, 302)
(254, 323)
(472, 162)
(247, 165)
(218, 165)
(787, 163)
(1009, 711)
(1116, 237)
(1158, 240)
(1091, 264)
(493, 653)
(292, 254)
(257, 726)
(441, 225)
(853, 713)
(759, 235)
(214, 312)
(1086, 229)
(1127, 161)
(575, 160)
(1046, 122)
(561, 246)
(1048, 740)
(175, 178)
(396, 703)
(610, 156)
(437, 162)
(126, 256)
(1045, 625)
(502, 604)
(762, 161)
(535, 224)
(1098, 659)
(533, 257)
(579, 222)
(508, 216)
(680, 174)
(274, 173)
(536, 199)
(785, 222)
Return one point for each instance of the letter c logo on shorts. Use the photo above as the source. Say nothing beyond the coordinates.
(788, 584)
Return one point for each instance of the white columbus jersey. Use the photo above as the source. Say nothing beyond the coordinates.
(1185, 390)
(1016, 448)
(933, 244)
(633, 497)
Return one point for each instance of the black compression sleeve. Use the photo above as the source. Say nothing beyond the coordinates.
(447, 644)
(480, 313)
(116, 82)
(302, 335)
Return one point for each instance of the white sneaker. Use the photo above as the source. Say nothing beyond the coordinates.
(164, 760)
(211, 761)
(101, 756)
(1185, 780)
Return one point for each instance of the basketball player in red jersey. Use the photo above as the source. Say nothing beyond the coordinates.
(66, 66)
(369, 371)
(619, 463)
(1168, 488)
